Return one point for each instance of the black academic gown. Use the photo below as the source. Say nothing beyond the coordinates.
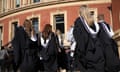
(16, 48)
(61, 56)
(25, 51)
(49, 54)
(112, 62)
(88, 55)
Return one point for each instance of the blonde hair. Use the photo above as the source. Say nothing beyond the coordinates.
(85, 13)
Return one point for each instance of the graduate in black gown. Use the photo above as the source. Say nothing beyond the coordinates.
(26, 48)
(48, 49)
(88, 55)
(62, 56)
(112, 62)
(70, 38)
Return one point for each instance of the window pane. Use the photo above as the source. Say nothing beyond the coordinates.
(17, 3)
(35, 24)
(36, 1)
(59, 22)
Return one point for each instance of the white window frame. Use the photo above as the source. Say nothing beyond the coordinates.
(52, 14)
(2, 25)
(35, 16)
(25, 2)
(10, 26)
(4, 6)
(119, 16)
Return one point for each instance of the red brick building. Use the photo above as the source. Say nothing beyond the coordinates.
(116, 20)
(59, 13)
(116, 13)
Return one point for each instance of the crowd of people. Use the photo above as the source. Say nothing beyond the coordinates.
(92, 48)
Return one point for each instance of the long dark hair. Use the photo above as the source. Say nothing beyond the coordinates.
(46, 31)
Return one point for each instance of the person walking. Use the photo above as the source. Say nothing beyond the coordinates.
(88, 55)
(110, 48)
(48, 49)
(26, 48)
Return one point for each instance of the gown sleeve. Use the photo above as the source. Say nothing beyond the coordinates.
(80, 46)
(15, 44)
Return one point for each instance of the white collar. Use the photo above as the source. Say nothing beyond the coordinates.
(47, 41)
(33, 38)
(44, 44)
(90, 30)
(109, 32)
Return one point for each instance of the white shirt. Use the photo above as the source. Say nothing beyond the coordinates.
(109, 32)
(89, 29)
(71, 39)
(43, 43)
(33, 38)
